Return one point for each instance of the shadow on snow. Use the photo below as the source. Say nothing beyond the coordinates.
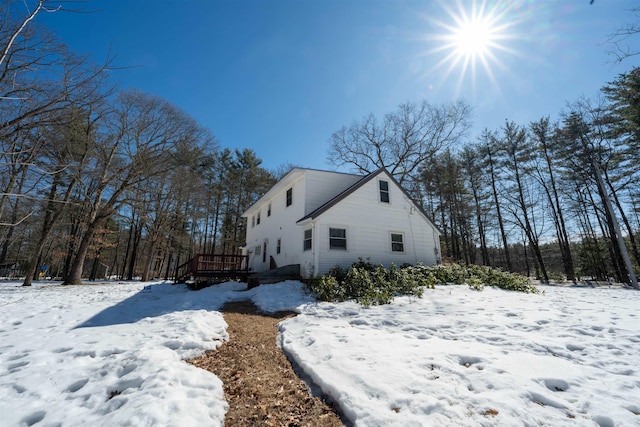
(164, 298)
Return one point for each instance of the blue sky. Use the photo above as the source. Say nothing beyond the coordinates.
(280, 77)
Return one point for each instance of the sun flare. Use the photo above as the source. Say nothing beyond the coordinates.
(472, 38)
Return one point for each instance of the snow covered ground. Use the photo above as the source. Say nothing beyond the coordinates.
(112, 354)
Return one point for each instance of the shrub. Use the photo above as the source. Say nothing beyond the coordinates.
(370, 284)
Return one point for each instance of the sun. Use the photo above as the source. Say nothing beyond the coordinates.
(472, 36)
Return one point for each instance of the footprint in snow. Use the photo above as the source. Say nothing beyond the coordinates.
(34, 418)
(72, 388)
(555, 384)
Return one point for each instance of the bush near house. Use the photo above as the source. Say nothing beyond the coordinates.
(370, 284)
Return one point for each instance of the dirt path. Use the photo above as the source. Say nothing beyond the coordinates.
(259, 383)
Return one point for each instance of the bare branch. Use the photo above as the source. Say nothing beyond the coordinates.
(19, 30)
(6, 224)
(620, 47)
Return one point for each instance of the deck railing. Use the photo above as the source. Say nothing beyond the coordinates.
(216, 265)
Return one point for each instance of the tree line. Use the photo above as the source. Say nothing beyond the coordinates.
(98, 182)
(548, 199)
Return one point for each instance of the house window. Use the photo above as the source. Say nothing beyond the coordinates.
(253, 221)
(289, 196)
(278, 246)
(269, 210)
(337, 238)
(258, 218)
(384, 191)
(397, 242)
(258, 250)
(307, 240)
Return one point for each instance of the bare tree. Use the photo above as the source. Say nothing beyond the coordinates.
(620, 42)
(137, 142)
(403, 141)
(39, 81)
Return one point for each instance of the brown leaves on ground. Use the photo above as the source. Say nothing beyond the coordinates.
(259, 383)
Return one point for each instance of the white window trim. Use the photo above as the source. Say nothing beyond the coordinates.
(346, 243)
(286, 197)
(391, 242)
(388, 191)
(304, 239)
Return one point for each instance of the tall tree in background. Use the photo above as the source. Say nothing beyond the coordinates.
(39, 81)
(488, 144)
(402, 141)
(589, 145)
(623, 95)
(542, 134)
(443, 178)
(247, 181)
(474, 174)
(520, 194)
(137, 142)
(66, 155)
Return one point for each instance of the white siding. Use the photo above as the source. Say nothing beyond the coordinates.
(367, 221)
(280, 225)
(322, 186)
(369, 224)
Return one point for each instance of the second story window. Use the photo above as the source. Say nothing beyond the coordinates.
(258, 218)
(289, 196)
(269, 210)
(278, 246)
(253, 221)
(384, 191)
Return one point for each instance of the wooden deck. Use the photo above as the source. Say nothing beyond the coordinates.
(204, 269)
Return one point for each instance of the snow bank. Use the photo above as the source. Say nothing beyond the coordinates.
(113, 354)
(466, 358)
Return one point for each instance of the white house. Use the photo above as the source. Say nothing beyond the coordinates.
(320, 219)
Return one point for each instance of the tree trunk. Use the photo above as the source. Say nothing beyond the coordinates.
(137, 235)
(499, 214)
(146, 269)
(75, 272)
